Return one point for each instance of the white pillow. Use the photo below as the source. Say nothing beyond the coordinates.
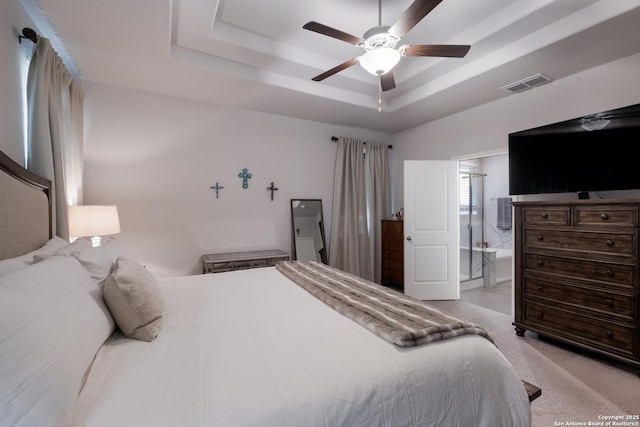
(17, 263)
(134, 299)
(52, 322)
(77, 245)
(99, 261)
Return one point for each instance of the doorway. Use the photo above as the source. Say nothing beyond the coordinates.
(471, 224)
(485, 231)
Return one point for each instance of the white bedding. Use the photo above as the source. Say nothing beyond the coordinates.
(251, 348)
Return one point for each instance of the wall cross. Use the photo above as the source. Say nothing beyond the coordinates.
(245, 175)
(217, 187)
(272, 188)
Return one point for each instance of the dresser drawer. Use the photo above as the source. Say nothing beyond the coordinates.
(592, 331)
(392, 271)
(392, 277)
(615, 304)
(546, 215)
(601, 274)
(618, 243)
(392, 256)
(606, 216)
(395, 266)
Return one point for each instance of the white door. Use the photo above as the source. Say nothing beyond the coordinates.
(431, 230)
(305, 249)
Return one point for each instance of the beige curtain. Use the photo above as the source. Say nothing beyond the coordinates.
(361, 199)
(378, 200)
(349, 249)
(55, 105)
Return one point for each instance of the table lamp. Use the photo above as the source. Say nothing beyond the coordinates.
(93, 221)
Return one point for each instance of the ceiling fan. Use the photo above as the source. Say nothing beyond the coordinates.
(380, 42)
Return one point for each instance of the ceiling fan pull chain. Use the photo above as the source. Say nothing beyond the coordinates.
(380, 94)
(379, 13)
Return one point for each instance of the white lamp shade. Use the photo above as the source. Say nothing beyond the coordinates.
(592, 125)
(93, 220)
(380, 60)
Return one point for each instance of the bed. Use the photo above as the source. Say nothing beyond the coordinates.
(243, 348)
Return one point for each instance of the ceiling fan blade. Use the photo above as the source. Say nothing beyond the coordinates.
(387, 82)
(441, 50)
(335, 70)
(414, 14)
(332, 32)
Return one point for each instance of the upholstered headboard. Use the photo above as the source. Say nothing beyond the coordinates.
(25, 209)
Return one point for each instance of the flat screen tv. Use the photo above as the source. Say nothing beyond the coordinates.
(600, 152)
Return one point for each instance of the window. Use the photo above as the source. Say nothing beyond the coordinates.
(468, 190)
(24, 74)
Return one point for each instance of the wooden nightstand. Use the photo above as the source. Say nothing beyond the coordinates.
(217, 263)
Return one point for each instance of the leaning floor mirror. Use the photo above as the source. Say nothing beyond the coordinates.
(307, 231)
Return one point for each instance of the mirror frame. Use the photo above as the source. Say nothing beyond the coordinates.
(324, 255)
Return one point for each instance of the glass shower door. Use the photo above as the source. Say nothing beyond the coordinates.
(472, 225)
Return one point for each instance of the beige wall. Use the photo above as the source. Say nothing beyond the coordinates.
(486, 128)
(156, 156)
(12, 77)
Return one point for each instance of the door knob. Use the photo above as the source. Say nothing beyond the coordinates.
(408, 237)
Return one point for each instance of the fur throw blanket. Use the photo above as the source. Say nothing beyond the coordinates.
(397, 318)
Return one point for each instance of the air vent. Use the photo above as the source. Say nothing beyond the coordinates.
(528, 83)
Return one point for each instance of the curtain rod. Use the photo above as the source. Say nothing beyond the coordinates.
(28, 33)
(335, 139)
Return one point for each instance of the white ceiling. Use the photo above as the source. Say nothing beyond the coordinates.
(255, 54)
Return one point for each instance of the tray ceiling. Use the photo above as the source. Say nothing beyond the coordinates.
(255, 54)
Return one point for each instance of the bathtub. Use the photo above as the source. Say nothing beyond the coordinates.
(503, 265)
(497, 265)
(494, 266)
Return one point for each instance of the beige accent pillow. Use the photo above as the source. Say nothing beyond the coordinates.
(134, 299)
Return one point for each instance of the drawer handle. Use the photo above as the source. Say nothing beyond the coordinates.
(540, 288)
(540, 262)
(604, 216)
(609, 335)
(539, 315)
(544, 216)
(609, 272)
(540, 237)
(609, 242)
(610, 303)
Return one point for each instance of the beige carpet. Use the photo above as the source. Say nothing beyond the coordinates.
(576, 387)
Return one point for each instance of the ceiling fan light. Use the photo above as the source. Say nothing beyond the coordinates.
(380, 60)
(597, 124)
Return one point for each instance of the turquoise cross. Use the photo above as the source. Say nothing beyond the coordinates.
(245, 175)
(217, 187)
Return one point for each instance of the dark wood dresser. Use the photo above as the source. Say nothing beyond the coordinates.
(576, 274)
(392, 269)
